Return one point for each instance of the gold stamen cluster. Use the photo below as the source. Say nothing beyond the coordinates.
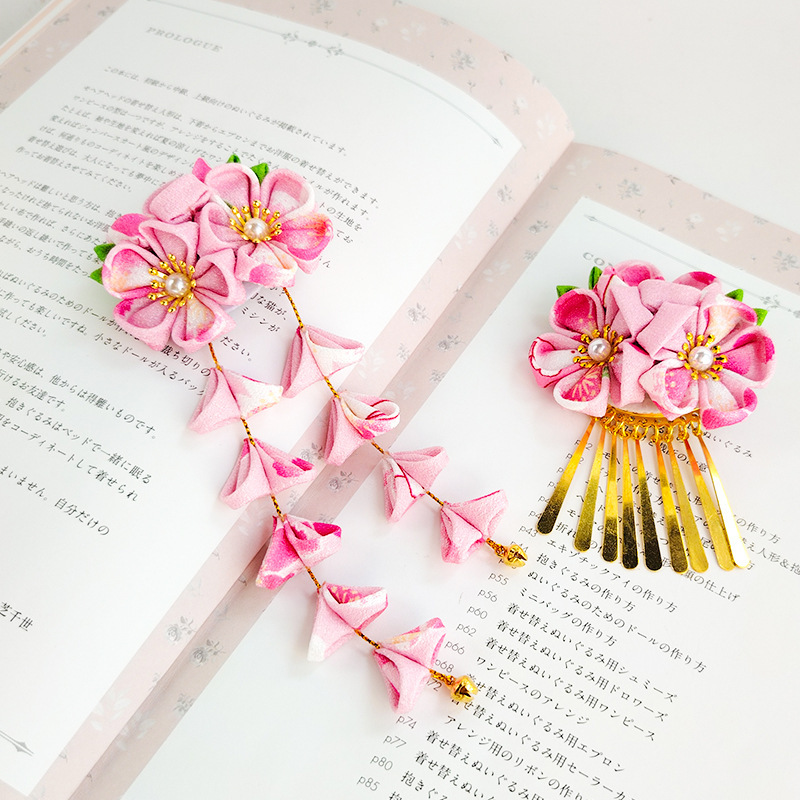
(692, 341)
(612, 337)
(241, 216)
(160, 275)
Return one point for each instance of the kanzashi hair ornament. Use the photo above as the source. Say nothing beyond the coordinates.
(651, 360)
(201, 240)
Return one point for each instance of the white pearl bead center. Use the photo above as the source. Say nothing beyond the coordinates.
(701, 358)
(256, 229)
(176, 284)
(599, 349)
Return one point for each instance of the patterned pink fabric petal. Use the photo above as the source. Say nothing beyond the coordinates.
(578, 311)
(296, 543)
(263, 470)
(229, 397)
(666, 333)
(315, 354)
(306, 237)
(199, 322)
(126, 270)
(632, 273)
(147, 321)
(216, 280)
(407, 475)
(465, 526)
(584, 390)
(670, 386)
(126, 229)
(265, 263)
(405, 662)
(340, 610)
(552, 357)
(354, 419)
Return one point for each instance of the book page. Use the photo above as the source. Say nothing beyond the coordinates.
(597, 681)
(110, 502)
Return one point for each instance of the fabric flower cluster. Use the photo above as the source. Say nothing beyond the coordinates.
(638, 342)
(202, 236)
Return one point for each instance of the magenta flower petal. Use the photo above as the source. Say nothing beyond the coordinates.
(407, 475)
(263, 470)
(405, 662)
(229, 397)
(577, 312)
(340, 610)
(465, 526)
(295, 544)
(315, 354)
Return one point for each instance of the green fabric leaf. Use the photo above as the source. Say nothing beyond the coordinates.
(564, 289)
(736, 294)
(261, 170)
(97, 275)
(234, 159)
(761, 314)
(102, 250)
(594, 276)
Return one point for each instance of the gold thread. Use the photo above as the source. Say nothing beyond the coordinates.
(378, 447)
(447, 680)
(330, 386)
(247, 430)
(214, 356)
(366, 638)
(313, 578)
(294, 308)
(277, 507)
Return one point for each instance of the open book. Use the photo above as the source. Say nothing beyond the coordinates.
(124, 582)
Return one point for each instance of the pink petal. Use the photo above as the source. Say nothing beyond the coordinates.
(305, 237)
(625, 311)
(671, 387)
(465, 526)
(263, 470)
(405, 662)
(578, 311)
(666, 333)
(215, 278)
(315, 354)
(585, 390)
(354, 419)
(145, 319)
(751, 356)
(407, 475)
(265, 263)
(627, 368)
(126, 270)
(287, 193)
(552, 357)
(630, 272)
(296, 543)
(199, 322)
(229, 397)
(340, 610)
(126, 228)
(236, 184)
(178, 200)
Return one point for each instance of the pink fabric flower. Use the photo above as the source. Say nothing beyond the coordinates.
(295, 544)
(263, 470)
(465, 526)
(712, 355)
(273, 226)
(167, 292)
(354, 419)
(406, 661)
(316, 354)
(591, 359)
(229, 397)
(340, 610)
(407, 476)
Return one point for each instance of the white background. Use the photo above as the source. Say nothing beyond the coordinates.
(706, 91)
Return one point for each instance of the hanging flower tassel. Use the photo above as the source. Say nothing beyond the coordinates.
(296, 544)
(263, 470)
(406, 662)
(341, 613)
(354, 419)
(466, 526)
(406, 476)
(229, 397)
(315, 355)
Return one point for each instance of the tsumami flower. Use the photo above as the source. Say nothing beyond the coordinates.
(711, 353)
(591, 359)
(272, 224)
(166, 290)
